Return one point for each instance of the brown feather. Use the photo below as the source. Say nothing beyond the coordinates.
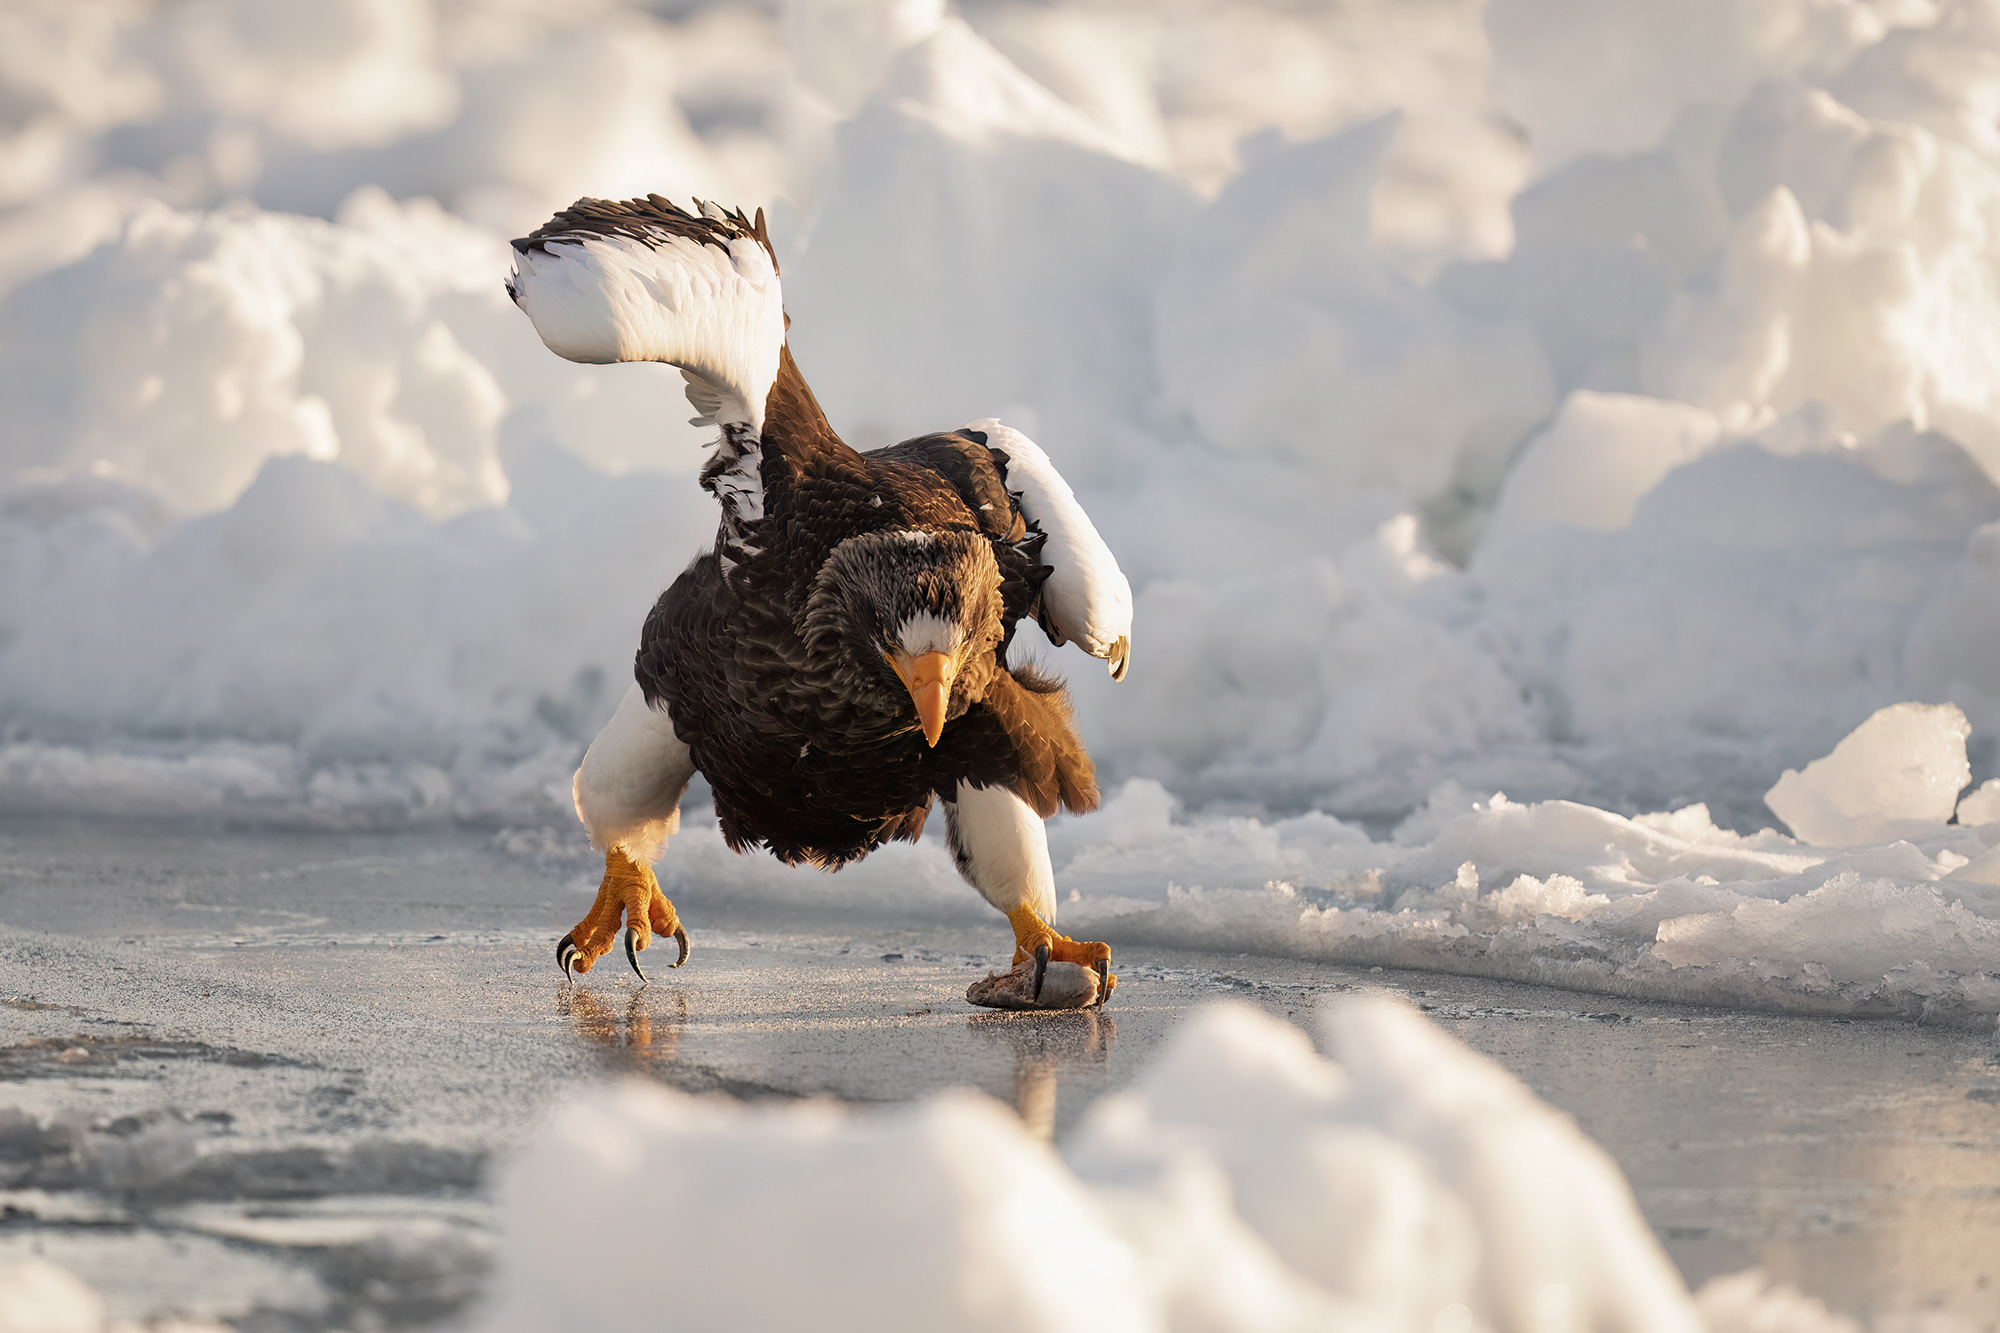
(813, 749)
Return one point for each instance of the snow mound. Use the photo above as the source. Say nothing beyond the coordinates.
(1244, 1182)
(1897, 774)
(182, 355)
(1284, 335)
(782, 1218)
(37, 1296)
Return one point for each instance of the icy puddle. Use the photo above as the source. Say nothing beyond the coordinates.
(266, 1078)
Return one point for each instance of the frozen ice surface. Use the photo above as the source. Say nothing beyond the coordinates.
(37, 1296)
(266, 1078)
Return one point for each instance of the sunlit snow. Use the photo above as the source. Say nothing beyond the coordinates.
(1538, 433)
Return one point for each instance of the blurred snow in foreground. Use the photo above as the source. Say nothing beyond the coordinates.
(1544, 397)
(1244, 1183)
(37, 1296)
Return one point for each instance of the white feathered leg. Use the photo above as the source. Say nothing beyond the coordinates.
(628, 788)
(1002, 849)
(628, 794)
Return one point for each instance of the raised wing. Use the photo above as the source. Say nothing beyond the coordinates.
(1086, 598)
(644, 280)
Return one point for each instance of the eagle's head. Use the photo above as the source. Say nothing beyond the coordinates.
(910, 612)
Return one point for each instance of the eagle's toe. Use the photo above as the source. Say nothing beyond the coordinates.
(629, 896)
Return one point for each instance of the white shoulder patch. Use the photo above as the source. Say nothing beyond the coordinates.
(1087, 597)
(717, 314)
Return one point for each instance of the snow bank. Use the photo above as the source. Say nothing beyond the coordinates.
(1281, 333)
(1529, 397)
(181, 356)
(1243, 1183)
(1664, 906)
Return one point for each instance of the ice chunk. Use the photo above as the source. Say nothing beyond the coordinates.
(1593, 462)
(1855, 277)
(1981, 869)
(1853, 930)
(1897, 774)
(197, 345)
(1982, 804)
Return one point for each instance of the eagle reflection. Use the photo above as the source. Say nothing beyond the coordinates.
(638, 1040)
(1043, 1045)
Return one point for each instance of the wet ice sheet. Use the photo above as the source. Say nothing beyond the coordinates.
(308, 1052)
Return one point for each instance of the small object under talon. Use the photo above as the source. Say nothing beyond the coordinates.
(1064, 986)
(565, 956)
(681, 936)
(1041, 969)
(632, 955)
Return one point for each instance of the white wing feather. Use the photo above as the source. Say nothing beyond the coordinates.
(1087, 597)
(717, 314)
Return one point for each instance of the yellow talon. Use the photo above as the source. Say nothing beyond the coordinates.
(628, 893)
(1032, 936)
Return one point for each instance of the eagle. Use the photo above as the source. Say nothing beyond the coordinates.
(837, 661)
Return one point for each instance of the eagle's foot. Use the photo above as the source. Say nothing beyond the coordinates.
(1034, 939)
(631, 894)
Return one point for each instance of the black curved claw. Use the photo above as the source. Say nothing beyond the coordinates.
(1103, 981)
(1041, 968)
(681, 935)
(566, 957)
(632, 955)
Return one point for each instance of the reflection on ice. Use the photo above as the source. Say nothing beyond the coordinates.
(644, 1037)
(1043, 1045)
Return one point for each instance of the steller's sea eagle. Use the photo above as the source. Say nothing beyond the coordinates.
(838, 658)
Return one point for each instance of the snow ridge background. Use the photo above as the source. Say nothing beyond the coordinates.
(1577, 401)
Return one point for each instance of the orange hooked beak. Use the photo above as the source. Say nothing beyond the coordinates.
(927, 677)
